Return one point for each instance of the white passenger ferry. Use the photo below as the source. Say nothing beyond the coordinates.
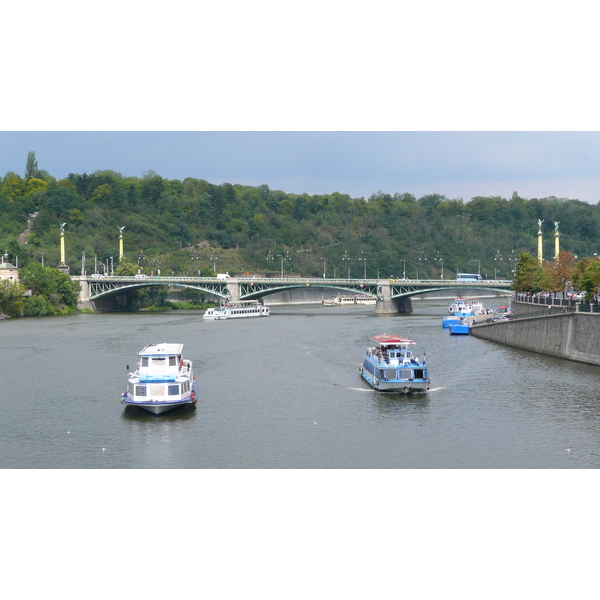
(162, 381)
(350, 300)
(237, 310)
(391, 366)
(466, 307)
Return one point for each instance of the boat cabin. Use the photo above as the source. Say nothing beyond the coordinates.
(160, 362)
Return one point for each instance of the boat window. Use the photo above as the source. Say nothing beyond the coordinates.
(419, 374)
(144, 361)
(172, 361)
(173, 390)
(140, 390)
(159, 361)
(156, 390)
(389, 374)
(406, 374)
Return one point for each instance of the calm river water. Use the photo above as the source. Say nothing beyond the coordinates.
(284, 392)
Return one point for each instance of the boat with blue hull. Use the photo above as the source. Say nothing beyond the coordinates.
(392, 366)
(162, 381)
(463, 327)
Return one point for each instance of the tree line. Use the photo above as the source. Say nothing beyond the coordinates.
(192, 226)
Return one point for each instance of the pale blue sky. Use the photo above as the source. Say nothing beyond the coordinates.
(457, 164)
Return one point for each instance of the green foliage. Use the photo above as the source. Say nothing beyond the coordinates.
(53, 285)
(178, 225)
(11, 297)
(528, 274)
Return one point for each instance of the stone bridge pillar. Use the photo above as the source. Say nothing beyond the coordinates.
(233, 289)
(84, 293)
(388, 305)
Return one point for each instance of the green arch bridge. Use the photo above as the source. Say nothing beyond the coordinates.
(392, 295)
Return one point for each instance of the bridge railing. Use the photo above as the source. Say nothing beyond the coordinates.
(288, 280)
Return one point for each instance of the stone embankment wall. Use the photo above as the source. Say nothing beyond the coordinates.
(574, 336)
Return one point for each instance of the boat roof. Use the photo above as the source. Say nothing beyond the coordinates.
(161, 349)
(386, 339)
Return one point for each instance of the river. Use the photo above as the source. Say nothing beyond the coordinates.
(284, 392)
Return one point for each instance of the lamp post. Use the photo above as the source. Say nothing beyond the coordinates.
(497, 260)
(347, 259)
(363, 257)
(283, 257)
(112, 266)
(42, 253)
(440, 258)
(214, 259)
(270, 260)
(324, 266)
(83, 264)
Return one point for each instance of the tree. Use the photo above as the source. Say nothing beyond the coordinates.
(586, 276)
(528, 274)
(558, 274)
(11, 297)
(31, 168)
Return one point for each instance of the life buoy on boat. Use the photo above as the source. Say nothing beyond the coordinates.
(406, 389)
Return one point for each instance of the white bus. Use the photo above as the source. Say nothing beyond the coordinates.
(468, 277)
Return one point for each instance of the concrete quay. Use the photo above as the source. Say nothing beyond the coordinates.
(572, 335)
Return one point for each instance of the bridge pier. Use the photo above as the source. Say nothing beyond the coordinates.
(233, 289)
(387, 305)
(84, 294)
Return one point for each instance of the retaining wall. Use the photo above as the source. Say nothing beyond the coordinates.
(574, 336)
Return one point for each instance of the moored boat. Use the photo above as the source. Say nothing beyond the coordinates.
(466, 307)
(391, 366)
(237, 310)
(450, 320)
(162, 381)
(463, 327)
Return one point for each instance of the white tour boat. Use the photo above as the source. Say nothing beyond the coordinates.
(466, 307)
(349, 300)
(237, 310)
(162, 381)
(391, 366)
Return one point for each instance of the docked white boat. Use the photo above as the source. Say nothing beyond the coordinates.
(391, 366)
(466, 307)
(351, 300)
(237, 310)
(163, 380)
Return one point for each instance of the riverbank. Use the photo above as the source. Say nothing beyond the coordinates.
(573, 335)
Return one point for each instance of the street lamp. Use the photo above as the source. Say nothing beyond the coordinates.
(283, 257)
(347, 259)
(42, 253)
(441, 260)
(324, 266)
(403, 268)
(497, 259)
(214, 258)
(270, 260)
(363, 257)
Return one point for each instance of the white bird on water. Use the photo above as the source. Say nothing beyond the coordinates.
(568, 449)
(103, 449)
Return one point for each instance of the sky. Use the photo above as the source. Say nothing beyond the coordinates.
(359, 163)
